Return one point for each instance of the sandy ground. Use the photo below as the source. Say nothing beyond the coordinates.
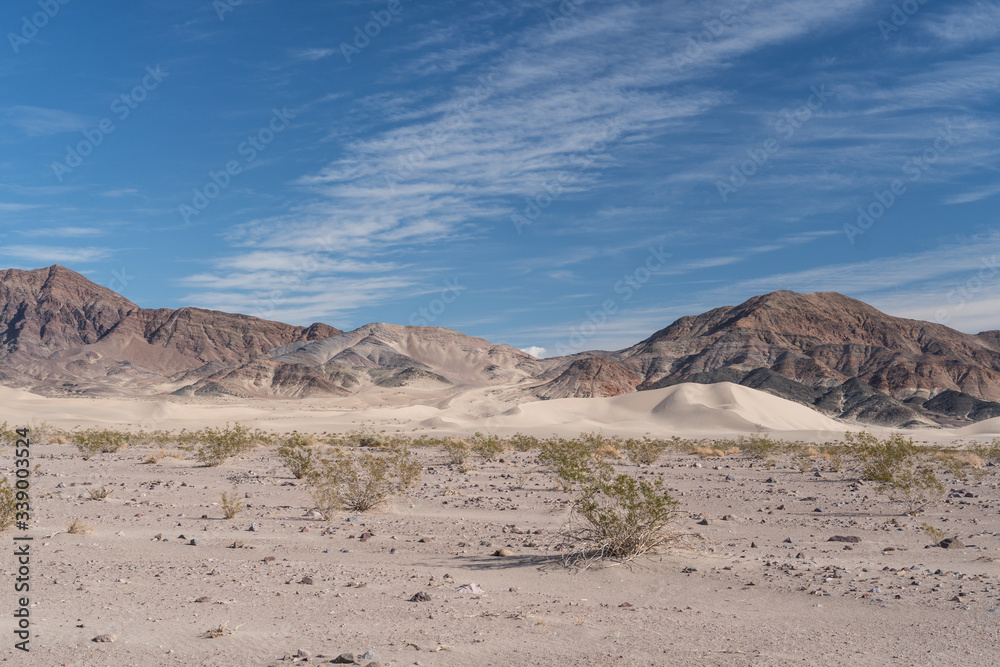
(760, 584)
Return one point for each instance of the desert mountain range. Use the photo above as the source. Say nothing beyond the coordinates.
(62, 334)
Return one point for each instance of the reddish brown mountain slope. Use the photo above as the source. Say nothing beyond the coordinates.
(57, 325)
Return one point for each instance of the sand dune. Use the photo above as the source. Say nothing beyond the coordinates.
(684, 409)
(987, 427)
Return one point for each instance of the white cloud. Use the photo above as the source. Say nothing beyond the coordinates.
(48, 255)
(36, 121)
(966, 23)
(535, 351)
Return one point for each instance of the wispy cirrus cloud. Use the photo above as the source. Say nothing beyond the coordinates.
(965, 23)
(39, 122)
(39, 255)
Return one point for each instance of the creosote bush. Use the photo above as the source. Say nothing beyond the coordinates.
(578, 460)
(620, 517)
(458, 452)
(646, 451)
(298, 452)
(361, 481)
(94, 441)
(232, 505)
(218, 445)
(487, 446)
(8, 504)
(897, 466)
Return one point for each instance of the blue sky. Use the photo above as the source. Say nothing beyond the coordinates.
(561, 175)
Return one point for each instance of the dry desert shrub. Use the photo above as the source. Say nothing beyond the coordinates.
(101, 493)
(988, 453)
(707, 452)
(231, 503)
(218, 445)
(758, 446)
(360, 482)
(575, 461)
(523, 443)
(298, 452)
(458, 452)
(222, 630)
(645, 451)
(79, 527)
(8, 503)
(619, 517)
(834, 457)
(94, 441)
(156, 457)
(487, 446)
(960, 464)
(897, 466)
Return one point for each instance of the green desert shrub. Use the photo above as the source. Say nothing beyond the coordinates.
(361, 481)
(218, 445)
(523, 443)
(574, 461)
(94, 441)
(487, 446)
(8, 504)
(758, 446)
(458, 452)
(645, 451)
(619, 517)
(897, 466)
(298, 452)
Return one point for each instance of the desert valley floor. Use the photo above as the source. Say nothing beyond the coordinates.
(778, 566)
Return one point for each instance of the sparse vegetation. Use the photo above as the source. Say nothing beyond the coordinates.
(459, 452)
(101, 493)
(935, 534)
(645, 451)
(79, 527)
(620, 517)
(298, 452)
(895, 465)
(8, 504)
(218, 445)
(576, 461)
(222, 630)
(360, 482)
(156, 457)
(487, 447)
(94, 441)
(232, 505)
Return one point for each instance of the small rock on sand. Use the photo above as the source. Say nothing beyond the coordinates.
(105, 639)
(951, 543)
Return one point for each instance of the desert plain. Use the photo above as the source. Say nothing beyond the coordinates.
(776, 562)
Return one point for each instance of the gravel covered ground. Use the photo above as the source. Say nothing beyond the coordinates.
(778, 567)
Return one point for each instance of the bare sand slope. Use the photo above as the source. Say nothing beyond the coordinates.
(695, 409)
